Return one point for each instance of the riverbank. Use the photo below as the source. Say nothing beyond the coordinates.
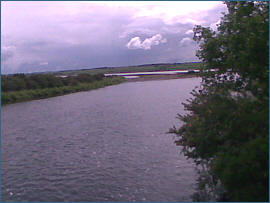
(27, 95)
(160, 77)
(138, 68)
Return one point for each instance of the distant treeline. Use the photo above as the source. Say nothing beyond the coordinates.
(19, 82)
(138, 68)
(22, 87)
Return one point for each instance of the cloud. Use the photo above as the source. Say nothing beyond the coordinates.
(136, 43)
(7, 52)
(185, 41)
(75, 35)
(189, 32)
(172, 12)
(8, 48)
(43, 63)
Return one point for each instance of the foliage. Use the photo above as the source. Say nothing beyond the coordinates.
(227, 126)
(30, 94)
(19, 82)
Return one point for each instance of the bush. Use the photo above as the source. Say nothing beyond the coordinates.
(226, 130)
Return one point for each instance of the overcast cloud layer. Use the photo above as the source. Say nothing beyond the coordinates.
(50, 36)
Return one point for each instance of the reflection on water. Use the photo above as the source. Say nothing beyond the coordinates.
(103, 145)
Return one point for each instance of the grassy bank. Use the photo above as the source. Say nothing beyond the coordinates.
(27, 95)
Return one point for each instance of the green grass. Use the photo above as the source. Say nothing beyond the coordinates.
(27, 95)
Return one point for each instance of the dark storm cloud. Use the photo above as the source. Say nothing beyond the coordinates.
(48, 36)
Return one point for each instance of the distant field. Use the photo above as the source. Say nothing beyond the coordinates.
(127, 69)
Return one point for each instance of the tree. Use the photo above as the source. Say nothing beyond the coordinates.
(227, 126)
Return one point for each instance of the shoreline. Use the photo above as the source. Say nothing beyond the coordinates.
(160, 77)
(29, 95)
(36, 94)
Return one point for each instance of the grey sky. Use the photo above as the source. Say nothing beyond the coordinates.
(48, 36)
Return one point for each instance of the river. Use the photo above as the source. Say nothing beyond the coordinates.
(108, 144)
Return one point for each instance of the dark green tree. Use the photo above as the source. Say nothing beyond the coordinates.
(226, 129)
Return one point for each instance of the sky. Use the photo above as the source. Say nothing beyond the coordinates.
(63, 35)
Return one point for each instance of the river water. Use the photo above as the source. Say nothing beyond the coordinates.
(108, 144)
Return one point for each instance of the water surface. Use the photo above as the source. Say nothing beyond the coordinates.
(108, 144)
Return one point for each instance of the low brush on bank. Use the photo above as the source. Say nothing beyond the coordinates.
(33, 94)
(25, 87)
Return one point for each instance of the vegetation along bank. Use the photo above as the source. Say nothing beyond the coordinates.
(226, 131)
(22, 87)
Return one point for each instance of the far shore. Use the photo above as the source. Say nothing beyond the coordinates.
(34, 94)
(160, 77)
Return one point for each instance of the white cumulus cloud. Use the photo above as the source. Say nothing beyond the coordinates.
(189, 32)
(185, 41)
(136, 42)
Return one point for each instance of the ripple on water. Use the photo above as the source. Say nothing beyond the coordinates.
(104, 145)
